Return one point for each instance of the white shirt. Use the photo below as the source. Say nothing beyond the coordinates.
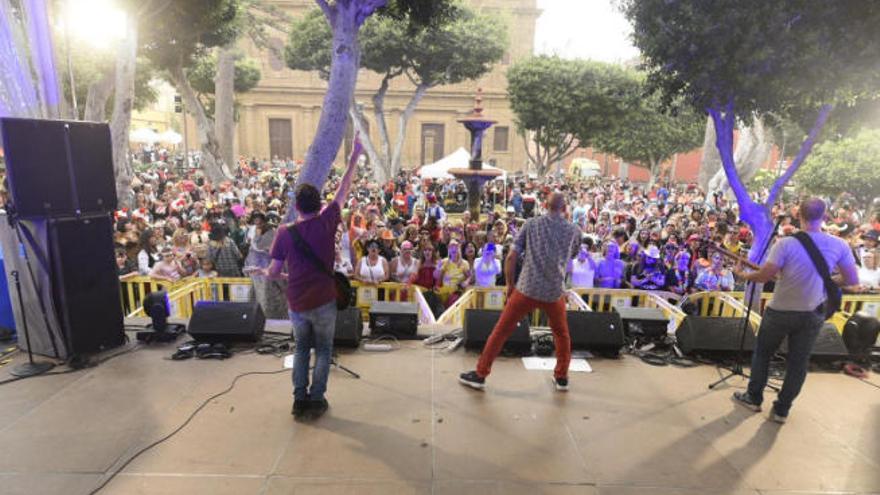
(485, 273)
(582, 273)
(869, 278)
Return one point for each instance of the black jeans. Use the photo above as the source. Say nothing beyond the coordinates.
(801, 328)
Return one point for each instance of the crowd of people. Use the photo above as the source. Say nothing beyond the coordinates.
(415, 231)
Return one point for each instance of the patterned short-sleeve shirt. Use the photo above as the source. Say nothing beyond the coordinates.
(545, 244)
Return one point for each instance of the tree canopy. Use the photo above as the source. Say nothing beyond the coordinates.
(564, 104)
(201, 76)
(187, 27)
(847, 165)
(649, 133)
(462, 46)
(738, 59)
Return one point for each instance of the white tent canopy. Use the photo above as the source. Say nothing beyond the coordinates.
(170, 137)
(460, 158)
(143, 135)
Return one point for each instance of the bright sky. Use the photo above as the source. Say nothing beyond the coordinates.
(589, 29)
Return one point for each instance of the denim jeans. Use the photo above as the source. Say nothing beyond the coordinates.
(314, 328)
(801, 328)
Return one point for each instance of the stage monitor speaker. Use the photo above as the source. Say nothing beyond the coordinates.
(85, 286)
(349, 328)
(400, 319)
(59, 168)
(829, 345)
(713, 334)
(227, 322)
(478, 325)
(595, 331)
(643, 322)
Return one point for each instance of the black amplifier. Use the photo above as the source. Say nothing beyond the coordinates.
(400, 319)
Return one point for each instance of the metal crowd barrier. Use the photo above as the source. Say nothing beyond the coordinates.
(184, 293)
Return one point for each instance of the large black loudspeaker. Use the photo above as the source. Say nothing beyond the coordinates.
(59, 168)
(400, 319)
(227, 322)
(595, 331)
(829, 345)
(713, 334)
(84, 283)
(349, 328)
(478, 325)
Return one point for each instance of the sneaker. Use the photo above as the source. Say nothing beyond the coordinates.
(473, 380)
(300, 407)
(561, 384)
(317, 408)
(777, 418)
(745, 400)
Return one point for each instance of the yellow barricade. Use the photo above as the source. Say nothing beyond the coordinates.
(183, 294)
(605, 300)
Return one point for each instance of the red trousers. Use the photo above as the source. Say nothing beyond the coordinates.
(516, 308)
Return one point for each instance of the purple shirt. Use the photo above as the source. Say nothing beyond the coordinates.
(307, 286)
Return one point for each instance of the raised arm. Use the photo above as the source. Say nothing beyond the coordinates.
(345, 184)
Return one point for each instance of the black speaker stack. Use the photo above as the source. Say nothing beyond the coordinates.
(478, 325)
(227, 322)
(60, 175)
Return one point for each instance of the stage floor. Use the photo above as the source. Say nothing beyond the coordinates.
(408, 427)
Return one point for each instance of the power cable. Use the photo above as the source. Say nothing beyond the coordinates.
(182, 426)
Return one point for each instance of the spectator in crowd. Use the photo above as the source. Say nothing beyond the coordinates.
(223, 252)
(372, 269)
(486, 268)
(649, 273)
(453, 273)
(715, 277)
(582, 269)
(610, 271)
(341, 264)
(426, 276)
(149, 253)
(167, 268)
(405, 268)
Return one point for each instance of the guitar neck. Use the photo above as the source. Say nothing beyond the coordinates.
(739, 259)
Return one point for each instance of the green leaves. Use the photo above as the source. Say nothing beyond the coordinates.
(781, 56)
(561, 100)
(459, 47)
(844, 166)
(201, 76)
(650, 132)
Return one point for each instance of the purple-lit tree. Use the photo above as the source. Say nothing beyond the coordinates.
(346, 18)
(742, 59)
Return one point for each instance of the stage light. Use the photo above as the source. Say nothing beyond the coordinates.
(157, 306)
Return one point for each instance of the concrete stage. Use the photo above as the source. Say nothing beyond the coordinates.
(408, 427)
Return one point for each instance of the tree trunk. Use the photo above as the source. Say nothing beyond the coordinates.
(96, 100)
(752, 150)
(345, 19)
(120, 123)
(212, 160)
(382, 169)
(654, 169)
(224, 105)
(711, 161)
(417, 96)
(360, 127)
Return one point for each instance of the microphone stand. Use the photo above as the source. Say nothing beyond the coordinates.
(30, 368)
(737, 368)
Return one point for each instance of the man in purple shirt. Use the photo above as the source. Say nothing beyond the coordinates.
(311, 293)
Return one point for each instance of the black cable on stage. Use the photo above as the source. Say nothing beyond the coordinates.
(869, 382)
(182, 426)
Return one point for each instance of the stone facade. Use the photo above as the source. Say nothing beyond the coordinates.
(281, 114)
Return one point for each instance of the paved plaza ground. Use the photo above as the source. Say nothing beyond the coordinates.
(407, 427)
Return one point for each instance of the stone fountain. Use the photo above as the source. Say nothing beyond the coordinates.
(474, 176)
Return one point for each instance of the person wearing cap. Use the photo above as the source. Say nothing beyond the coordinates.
(372, 269)
(649, 273)
(405, 267)
(435, 210)
(387, 247)
(487, 267)
(544, 244)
